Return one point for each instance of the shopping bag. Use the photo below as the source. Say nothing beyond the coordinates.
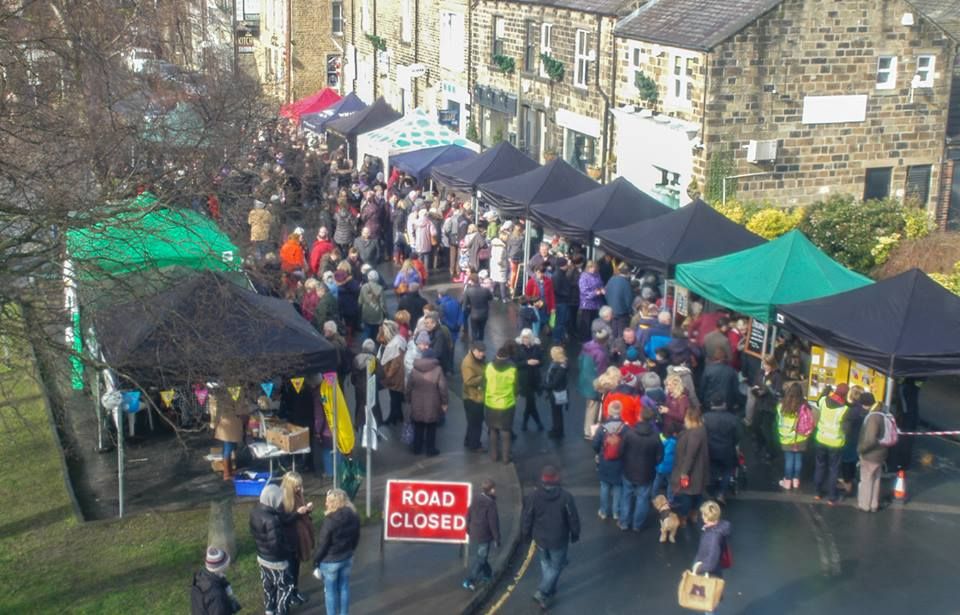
(726, 556)
(699, 592)
(406, 433)
(350, 475)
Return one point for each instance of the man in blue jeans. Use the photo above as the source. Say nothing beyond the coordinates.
(483, 526)
(550, 518)
(642, 451)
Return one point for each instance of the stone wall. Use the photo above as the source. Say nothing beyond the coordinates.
(758, 81)
(312, 40)
(531, 88)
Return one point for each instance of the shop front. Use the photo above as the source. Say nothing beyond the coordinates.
(497, 110)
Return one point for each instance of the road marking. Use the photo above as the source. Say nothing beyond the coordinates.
(516, 580)
(826, 545)
(789, 498)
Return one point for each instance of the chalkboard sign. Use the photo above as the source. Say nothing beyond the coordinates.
(755, 336)
(448, 117)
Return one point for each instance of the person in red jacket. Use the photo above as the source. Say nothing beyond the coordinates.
(539, 285)
(320, 248)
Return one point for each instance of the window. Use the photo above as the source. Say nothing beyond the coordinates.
(499, 32)
(365, 16)
(336, 10)
(680, 92)
(579, 150)
(924, 75)
(582, 59)
(917, 191)
(530, 59)
(546, 36)
(667, 189)
(877, 183)
(531, 122)
(406, 20)
(451, 41)
(886, 72)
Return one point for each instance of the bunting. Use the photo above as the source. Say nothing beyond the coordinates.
(297, 383)
(167, 397)
(201, 392)
(234, 392)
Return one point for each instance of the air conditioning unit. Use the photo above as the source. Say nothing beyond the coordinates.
(761, 151)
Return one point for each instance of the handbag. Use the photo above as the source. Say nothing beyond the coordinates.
(726, 556)
(699, 592)
(560, 397)
(406, 432)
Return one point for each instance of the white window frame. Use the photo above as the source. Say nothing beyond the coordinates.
(499, 34)
(581, 59)
(890, 82)
(546, 36)
(451, 40)
(927, 82)
(365, 15)
(681, 82)
(333, 20)
(406, 20)
(635, 62)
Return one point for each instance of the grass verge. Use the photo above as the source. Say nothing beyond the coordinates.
(50, 563)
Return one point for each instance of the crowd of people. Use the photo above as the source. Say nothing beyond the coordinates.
(668, 398)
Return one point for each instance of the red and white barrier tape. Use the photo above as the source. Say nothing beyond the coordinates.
(929, 433)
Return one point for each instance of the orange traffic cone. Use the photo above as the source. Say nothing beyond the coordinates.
(900, 488)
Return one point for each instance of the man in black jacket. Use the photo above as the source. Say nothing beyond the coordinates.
(723, 436)
(642, 451)
(483, 527)
(720, 378)
(211, 593)
(550, 518)
(273, 552)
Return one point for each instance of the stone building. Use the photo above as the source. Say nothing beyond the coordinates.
(292, 47)
(414, 53)
(800, 98)
(544, 76)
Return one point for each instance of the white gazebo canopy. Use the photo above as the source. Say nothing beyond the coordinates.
(415, 131)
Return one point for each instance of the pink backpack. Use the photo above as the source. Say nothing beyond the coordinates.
(804, 420)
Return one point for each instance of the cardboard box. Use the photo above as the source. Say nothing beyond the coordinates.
(288, 437)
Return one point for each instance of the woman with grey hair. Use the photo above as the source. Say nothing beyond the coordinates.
(273, 552)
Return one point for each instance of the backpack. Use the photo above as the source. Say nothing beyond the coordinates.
(654, 343)
(890, 434)
(613, 444)
(804, 421)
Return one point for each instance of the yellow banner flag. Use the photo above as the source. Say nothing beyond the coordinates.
(234, 393)
(167, 397)
(297, 383)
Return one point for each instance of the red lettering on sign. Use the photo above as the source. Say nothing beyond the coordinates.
(426, 511)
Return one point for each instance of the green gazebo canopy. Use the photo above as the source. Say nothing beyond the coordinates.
(149, 235)
(785, 270)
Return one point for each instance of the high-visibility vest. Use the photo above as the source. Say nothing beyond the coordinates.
(830, 425)
(787, 428)
(500, 392)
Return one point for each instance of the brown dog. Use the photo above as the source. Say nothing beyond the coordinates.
(669, 521)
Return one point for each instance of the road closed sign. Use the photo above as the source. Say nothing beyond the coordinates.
(426, 511)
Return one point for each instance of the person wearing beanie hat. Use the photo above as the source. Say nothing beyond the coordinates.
(358, 376)
(829, 442)
(427, 394)
(211, 593)
(500, 401)
(607, 444)
(551, 520)
(872, 453)
(273, 552)
(471, 372)
(483, 527)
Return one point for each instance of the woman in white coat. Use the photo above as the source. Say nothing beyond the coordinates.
(499, 265)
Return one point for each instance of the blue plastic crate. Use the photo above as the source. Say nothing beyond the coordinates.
(250, 488)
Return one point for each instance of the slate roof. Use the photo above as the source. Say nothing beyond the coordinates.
(703, 24)
(693, 24)
(601, 7)
(945, 13)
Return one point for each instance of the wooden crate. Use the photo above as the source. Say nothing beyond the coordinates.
(288, 437)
